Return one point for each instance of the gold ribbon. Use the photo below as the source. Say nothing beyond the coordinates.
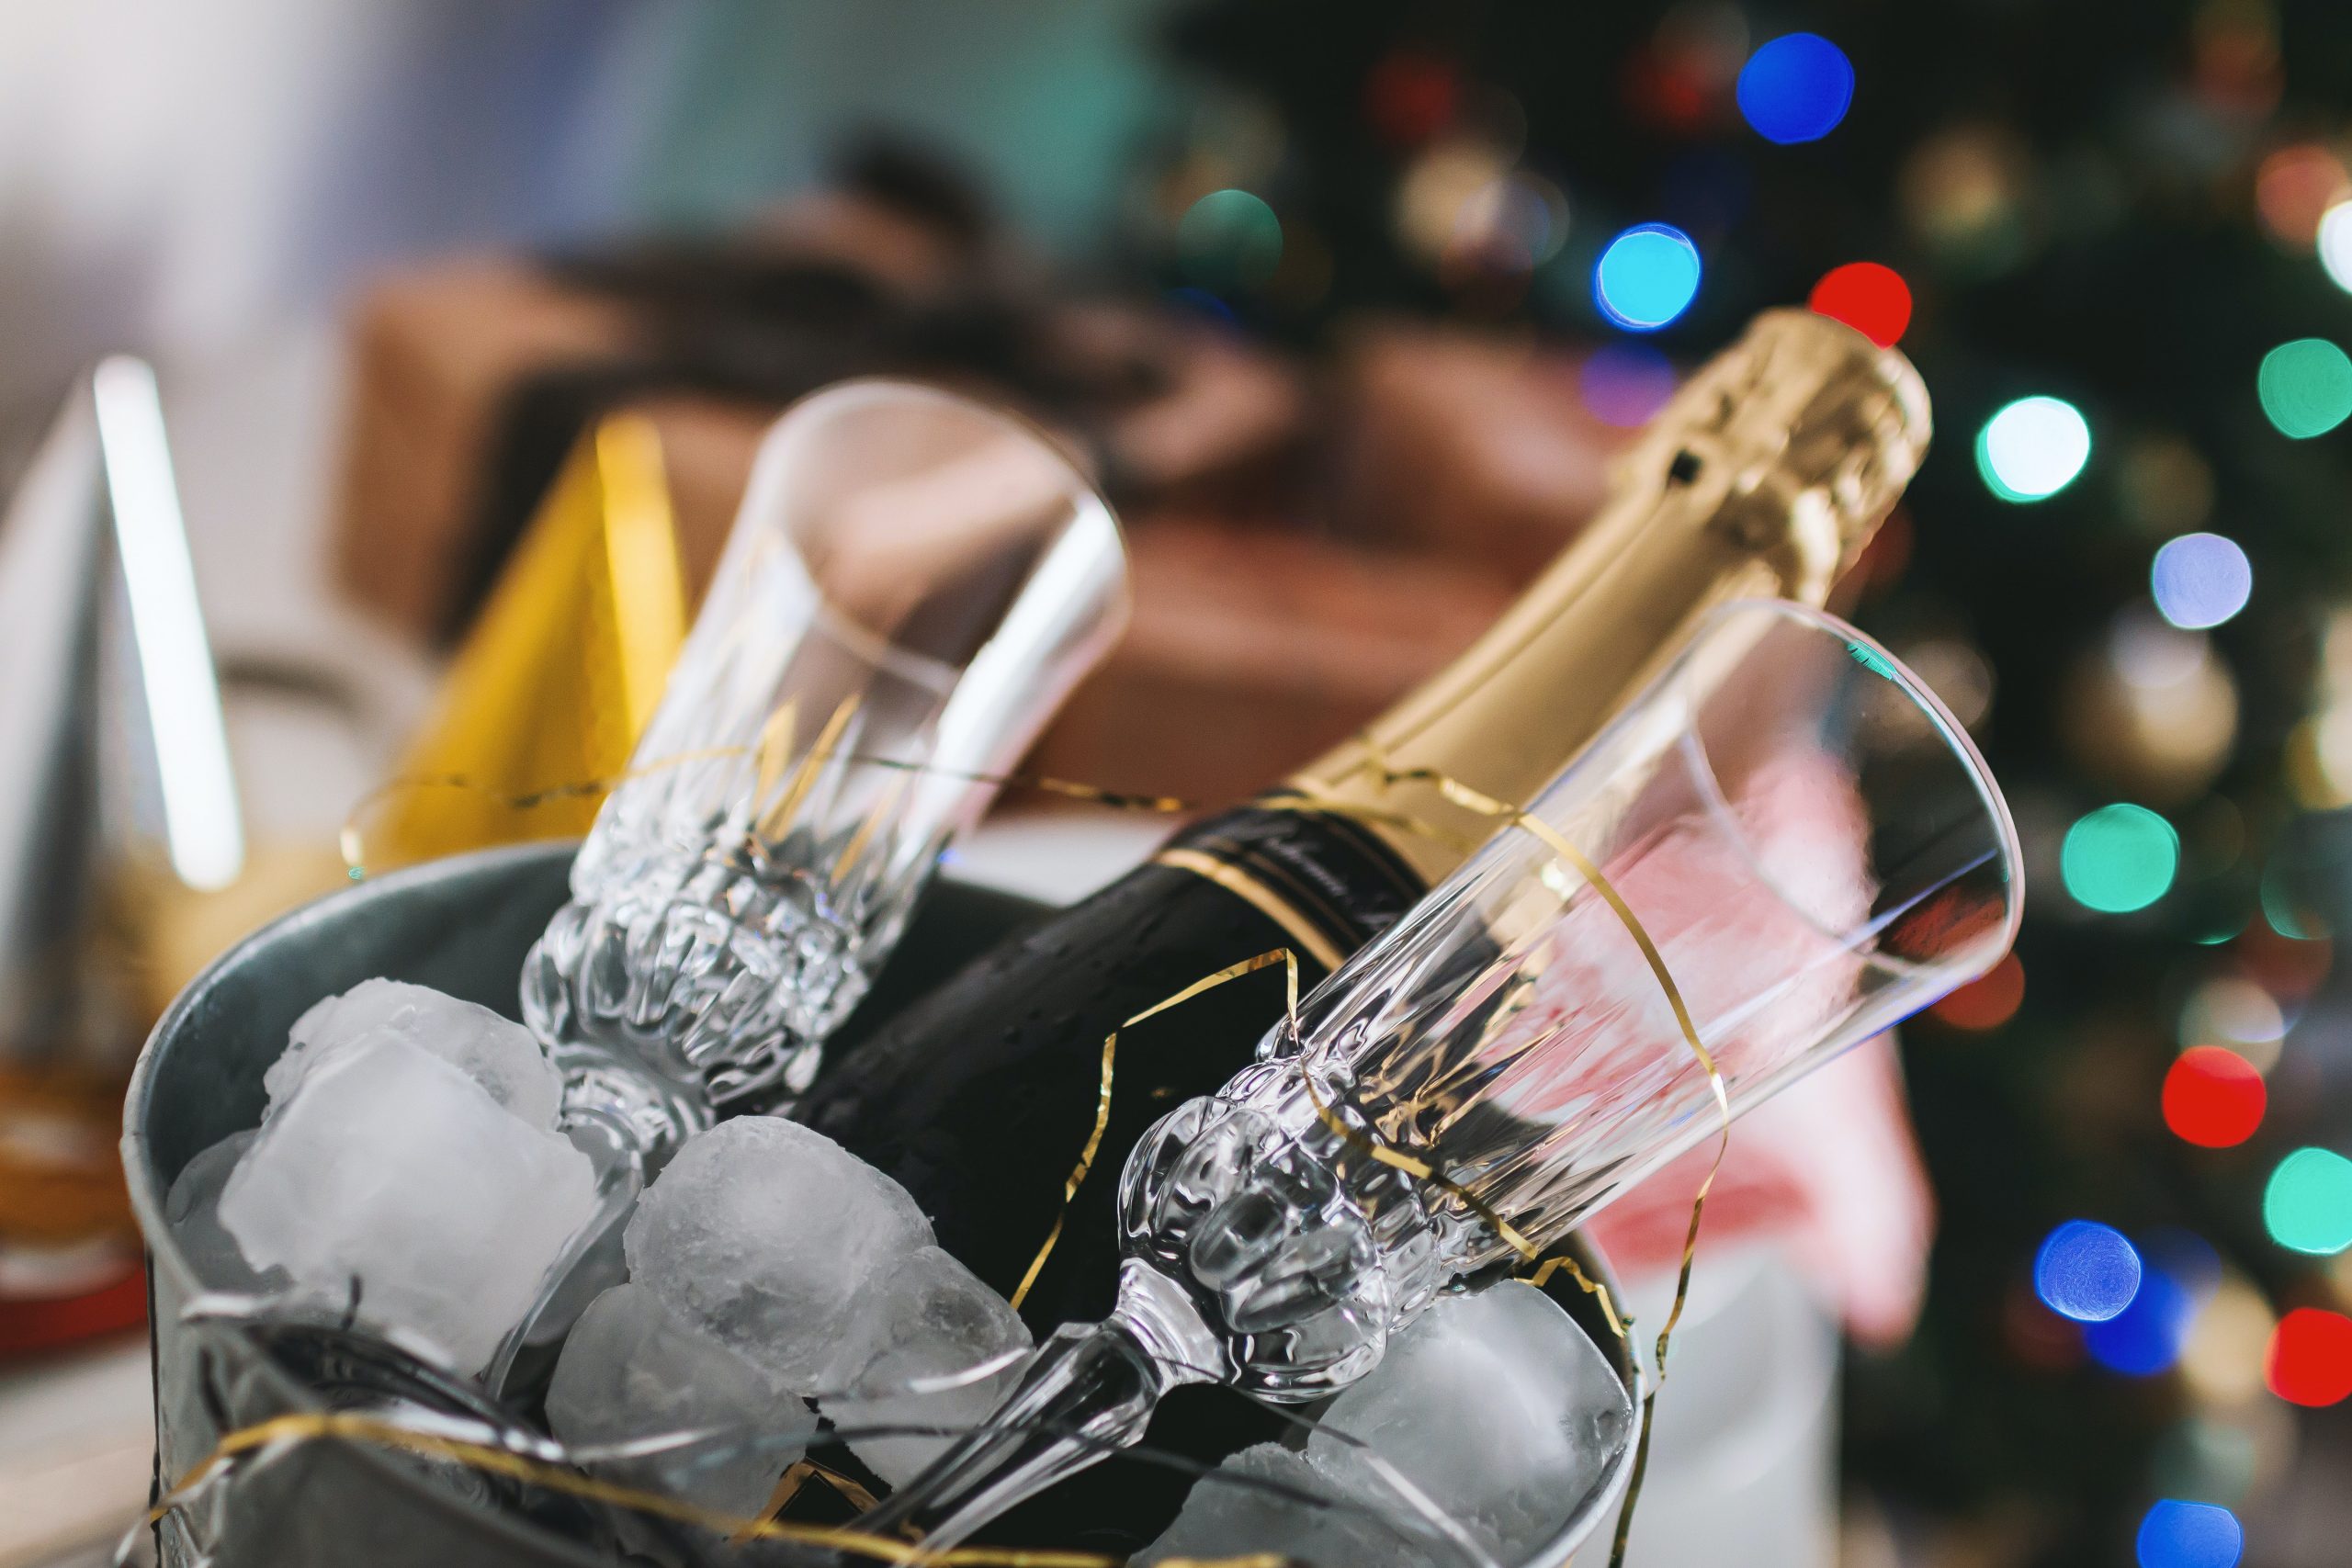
(314, 1426)
(799, 1474)
(351, 841)
(1103, 1099)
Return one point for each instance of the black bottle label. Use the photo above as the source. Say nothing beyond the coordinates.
(979, 1097)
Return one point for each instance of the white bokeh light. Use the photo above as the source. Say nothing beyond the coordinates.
(2335, 244)
(2033, 448)
(2200, 580)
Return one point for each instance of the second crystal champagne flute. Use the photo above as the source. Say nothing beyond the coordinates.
(1782, 847)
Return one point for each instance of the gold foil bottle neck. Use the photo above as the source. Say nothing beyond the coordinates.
(1764, 476)
(1800, 435)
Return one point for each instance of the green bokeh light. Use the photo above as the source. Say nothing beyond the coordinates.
(2119, 858)
(2305, 387)
(2288, 915)
(2308, 1205)
(1229, 239)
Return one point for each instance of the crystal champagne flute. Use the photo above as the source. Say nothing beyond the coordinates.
(912, 585)
(1788, 845)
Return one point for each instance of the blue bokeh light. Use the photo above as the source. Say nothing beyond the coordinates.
(1796, 88)
(2175, 1534)
(2086, 1271)
(2146, 1337)
(2200, 580)
(1201, 302)
(1646, 277)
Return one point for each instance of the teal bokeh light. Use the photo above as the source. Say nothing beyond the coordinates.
(2119, 858)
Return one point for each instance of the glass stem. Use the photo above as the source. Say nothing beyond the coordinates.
(592, 1260)
(1090, 1390)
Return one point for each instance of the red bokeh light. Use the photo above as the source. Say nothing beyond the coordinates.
(2288, 968)
(2294, 185)
(1871, 299)
(2310, 1359)
(1410, 96)
(2213, 1097)
(1987, 1003)
(1991, 1002)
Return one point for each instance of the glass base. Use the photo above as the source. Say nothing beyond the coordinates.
(708, 973)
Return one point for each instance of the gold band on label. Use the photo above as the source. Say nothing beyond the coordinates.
(1259, 897)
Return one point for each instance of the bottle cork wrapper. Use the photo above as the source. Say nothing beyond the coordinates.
(1764, 477)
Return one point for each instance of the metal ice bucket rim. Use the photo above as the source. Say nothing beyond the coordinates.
(148, 1191)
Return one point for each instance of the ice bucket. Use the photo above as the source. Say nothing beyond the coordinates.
(461, 925)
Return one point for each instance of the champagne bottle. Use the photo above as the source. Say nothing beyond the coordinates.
(1765, 475)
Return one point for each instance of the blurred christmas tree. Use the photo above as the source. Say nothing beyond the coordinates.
(2116, 237)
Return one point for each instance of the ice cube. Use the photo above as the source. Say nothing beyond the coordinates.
(495, 1051)
(387, 1163)
(928, 1317)
(764, 1233)
(1271, 1499)
(631, 1369)
(192, 1208)
(1496, 1407)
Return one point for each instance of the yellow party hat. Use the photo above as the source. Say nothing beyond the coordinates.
(561, 670)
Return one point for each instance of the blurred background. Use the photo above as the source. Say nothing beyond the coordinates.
(1348, 305)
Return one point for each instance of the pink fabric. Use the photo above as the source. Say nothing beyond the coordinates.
(1829, 1169)
(1828, 1166)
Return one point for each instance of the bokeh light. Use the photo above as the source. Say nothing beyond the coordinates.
(1410, 95)
(2119, 858)
(2213, 1097)
(2238, 1012)
(1229, 238)
(1646, 277)
(2310, 1359)
(2307, 1205)
(2222, 1359)
(1438, 187)
(2175, 1534)
(1201, 302)
(1871, 299)
(2294, 190)
(1989, 1002)
(2166, 485)
(2292, 970)
(1524, 213)
(1964, 191)
(2335, 244)
(2086, 1272)
(2215, 1457)
(2146, 1337)
(2032, 449)
(2200, 580)
(1957, 672)
(2305, 387)
(1624, 384)
(2284, 906)
(1796, 88)
(2150, 712)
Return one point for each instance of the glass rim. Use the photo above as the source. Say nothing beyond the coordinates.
(879, 648)
(1947, 729)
